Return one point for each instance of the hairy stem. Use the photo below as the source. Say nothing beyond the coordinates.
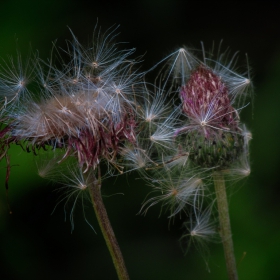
(105, 225)
(225, 230)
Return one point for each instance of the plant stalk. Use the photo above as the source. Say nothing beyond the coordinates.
(225, 229)
(102, 217)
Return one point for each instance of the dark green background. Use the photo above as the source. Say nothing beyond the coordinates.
(37, 245)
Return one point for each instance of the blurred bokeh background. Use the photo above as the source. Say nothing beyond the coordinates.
(38, 244)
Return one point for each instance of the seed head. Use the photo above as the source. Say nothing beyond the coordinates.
(209, 92)
(86, 108)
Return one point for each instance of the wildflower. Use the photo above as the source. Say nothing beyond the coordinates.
(87, 108)
(209, 141)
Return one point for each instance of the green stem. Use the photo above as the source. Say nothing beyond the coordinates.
(225, 230)
(105, 225)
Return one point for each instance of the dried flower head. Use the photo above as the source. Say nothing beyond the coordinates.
(86, 108)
